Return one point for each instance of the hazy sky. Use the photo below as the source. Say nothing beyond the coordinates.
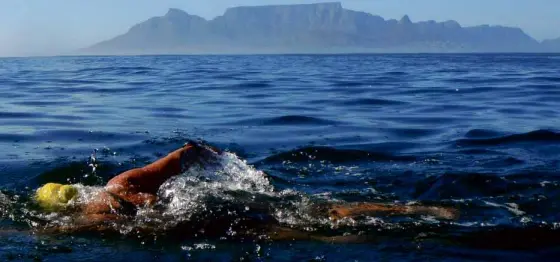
(40, 27)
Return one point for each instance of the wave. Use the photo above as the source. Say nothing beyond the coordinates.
(16, 137)
(477, 80)
(460, 186)
(479, 151)
(342, 83)
(369, 101)
(396, 73)
(298, 120)
(318, 153)
(517, 186)
(253, 84)
(114, 68)
(482, 133)
(534, 136)
(75, 81)
(38, 103)
(19, 115)
(286, 120)
(539, 237)
(545, 78)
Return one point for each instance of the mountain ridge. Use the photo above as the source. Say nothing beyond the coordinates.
(551, 45)
(310, 28)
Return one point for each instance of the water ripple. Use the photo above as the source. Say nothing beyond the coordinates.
(478, 132)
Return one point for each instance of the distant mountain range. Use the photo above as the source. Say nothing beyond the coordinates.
(552, 45)
(311, 28)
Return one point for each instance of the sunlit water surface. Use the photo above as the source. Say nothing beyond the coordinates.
(475, 132)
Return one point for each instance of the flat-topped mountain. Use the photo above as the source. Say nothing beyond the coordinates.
(552, 45)
(308, 28)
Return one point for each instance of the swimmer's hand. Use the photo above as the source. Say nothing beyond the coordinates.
(437, 212)
(143, 199)
(198, 152)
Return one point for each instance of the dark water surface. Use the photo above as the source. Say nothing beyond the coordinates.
(477, 132)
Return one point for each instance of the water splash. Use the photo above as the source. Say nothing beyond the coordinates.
(192, 194)
(188, 193)
(224, 192)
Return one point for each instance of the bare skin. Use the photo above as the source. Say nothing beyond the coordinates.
(362, 209)
(138, 187)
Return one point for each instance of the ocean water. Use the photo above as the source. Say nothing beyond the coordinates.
(477, 132)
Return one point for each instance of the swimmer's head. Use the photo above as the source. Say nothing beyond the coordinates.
(54, 197)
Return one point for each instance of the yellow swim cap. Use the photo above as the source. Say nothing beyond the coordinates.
(54, 196)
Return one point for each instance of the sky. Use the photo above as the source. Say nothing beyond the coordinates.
(47, 27)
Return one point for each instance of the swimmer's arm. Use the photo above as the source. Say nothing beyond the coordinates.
(154, 173)
(360, 209)
(132, 183)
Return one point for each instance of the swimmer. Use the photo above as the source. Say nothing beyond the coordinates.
(126, 192)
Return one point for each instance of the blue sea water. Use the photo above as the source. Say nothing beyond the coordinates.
(479, 132)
